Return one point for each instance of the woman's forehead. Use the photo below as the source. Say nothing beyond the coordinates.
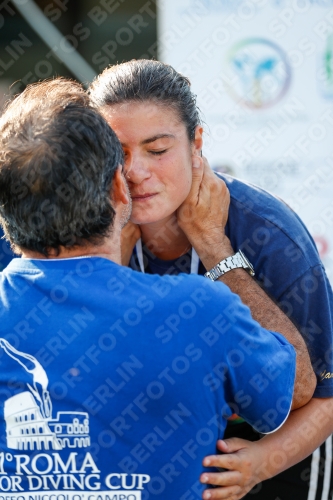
(141, 118)
(148, 109)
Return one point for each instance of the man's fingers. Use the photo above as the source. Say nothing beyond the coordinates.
(212, 185)
(208, 182)
(197, 174)
(185, 211)
(229, 478)
(209, 192)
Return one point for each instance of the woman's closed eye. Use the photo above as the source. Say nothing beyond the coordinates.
(158, 152)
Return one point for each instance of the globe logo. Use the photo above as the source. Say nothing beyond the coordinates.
(258, 73)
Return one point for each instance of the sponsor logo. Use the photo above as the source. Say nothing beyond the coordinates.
(258, 73)
(28, 415)
(30, 426)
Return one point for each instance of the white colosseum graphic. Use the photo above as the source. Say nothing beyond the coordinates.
(28, 415)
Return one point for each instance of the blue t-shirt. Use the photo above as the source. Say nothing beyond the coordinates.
(115, 385)
(286, 263)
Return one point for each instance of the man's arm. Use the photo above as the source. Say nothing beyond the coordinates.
(250, 463)
(270, 316)
(203, 217)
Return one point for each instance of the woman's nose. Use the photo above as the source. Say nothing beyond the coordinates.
(136, 170)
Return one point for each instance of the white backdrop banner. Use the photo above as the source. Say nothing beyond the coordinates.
(263, 74)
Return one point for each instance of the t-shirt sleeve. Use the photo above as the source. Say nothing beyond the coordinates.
(260, 374)
(309, 302)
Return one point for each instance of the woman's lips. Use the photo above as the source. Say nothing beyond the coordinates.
(143, 197)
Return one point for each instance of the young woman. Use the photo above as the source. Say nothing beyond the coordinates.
(186, 219)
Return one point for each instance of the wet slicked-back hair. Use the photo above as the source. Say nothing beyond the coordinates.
(58, 157)
(145, 80)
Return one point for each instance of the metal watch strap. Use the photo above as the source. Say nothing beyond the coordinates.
(234, 262)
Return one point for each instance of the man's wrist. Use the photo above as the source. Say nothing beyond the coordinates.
(236, 261)
(212, 253)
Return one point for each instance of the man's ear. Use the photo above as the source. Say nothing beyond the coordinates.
(198, 141)
(119, 190)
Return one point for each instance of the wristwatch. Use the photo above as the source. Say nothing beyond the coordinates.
(234, 262)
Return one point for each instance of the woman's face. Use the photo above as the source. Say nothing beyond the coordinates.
(158, 157)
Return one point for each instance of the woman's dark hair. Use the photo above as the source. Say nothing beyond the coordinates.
(146, 80)
(58, 157)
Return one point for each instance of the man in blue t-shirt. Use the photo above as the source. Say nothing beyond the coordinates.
(113, 384)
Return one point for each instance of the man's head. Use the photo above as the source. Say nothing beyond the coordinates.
(58, 157)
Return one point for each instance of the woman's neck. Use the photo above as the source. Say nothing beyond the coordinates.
(165, 239)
